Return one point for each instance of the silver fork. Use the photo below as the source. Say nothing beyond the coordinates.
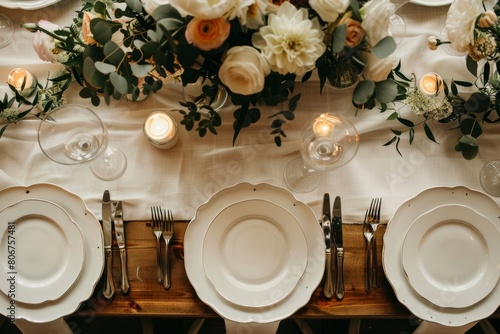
(374, 220)
(168, 233)
(157, 231)
(368, 234)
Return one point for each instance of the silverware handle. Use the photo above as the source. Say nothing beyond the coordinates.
(339, 286)
(109, 287)
(374, 277)
(159, 264)
(368, 266)
(166, 278)
(328, 290)
(125, 282)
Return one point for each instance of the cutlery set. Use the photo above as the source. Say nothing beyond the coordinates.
(163, 226)
(333, 226)
(370, 224)
(332, 229)
(112, 215)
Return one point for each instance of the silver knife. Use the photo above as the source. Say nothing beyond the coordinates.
(120, 240)
(109, 288)
(337, 236)
(325, 223)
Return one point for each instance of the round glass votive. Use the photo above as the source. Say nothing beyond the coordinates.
(19, 76)
(161, 129)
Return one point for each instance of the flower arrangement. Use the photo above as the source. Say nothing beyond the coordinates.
(255, 49)
(474, 31)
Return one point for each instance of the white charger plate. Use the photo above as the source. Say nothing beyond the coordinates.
(452, 249)
(94, 253)
(27, 4)
(254, 253)
(397, 228)
(193, 253)
(42, 253)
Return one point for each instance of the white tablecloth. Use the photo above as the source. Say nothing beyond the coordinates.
(187, 175)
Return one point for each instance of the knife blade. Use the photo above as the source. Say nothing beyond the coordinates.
(326, 224)
(109, 288)
(120, 240)
(337, 237)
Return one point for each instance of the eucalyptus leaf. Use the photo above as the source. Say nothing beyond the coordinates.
(477, 103)
(141, 70)
(363, 92)
(385, 47)
(170, 24)
(166, 11)
(135, 5)
(468, 146)
(104, 68)
(119, 82)
(103, 30)
(113, 53)
(470, 126)
(386, 91)
(338, 38)
(91, 75)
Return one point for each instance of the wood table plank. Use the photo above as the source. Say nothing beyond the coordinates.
(148, 298)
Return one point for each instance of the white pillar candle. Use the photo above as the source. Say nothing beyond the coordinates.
(431, 84)
(18, 76)
(161, 129)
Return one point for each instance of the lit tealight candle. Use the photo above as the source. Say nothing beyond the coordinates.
(322, 126)
(18, 76)
(431, 84)
(161, 129)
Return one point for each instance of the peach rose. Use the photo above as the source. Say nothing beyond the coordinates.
(355, 33)
(88, 38)
(207, 34)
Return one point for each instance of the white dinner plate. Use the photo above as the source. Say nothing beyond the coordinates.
(254, 253)
(398, 227)
(431, 3)
(452, 250)
(43, 251)
(308, 281)
(27, 4)
(94, 254)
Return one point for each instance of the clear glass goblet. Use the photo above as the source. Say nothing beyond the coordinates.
(6, 30)
(397, 25)
(490, 178)
(75, 135)
(327, 142)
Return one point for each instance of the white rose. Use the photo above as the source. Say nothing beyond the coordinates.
(204, 9)
(376, 14)
(244, 70)
(460, 23)
(151, 5)
(45, 45)
(329, 10)
(378, 69)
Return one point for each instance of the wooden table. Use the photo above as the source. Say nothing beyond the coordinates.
(149, 299)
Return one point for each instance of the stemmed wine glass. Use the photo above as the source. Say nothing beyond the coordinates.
(327, 142)
(490, 178)
(75, 135)
(6, 30)
(397, 25)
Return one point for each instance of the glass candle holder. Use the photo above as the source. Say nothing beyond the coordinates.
(23, 81)
(161, 129)
(431, 84)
